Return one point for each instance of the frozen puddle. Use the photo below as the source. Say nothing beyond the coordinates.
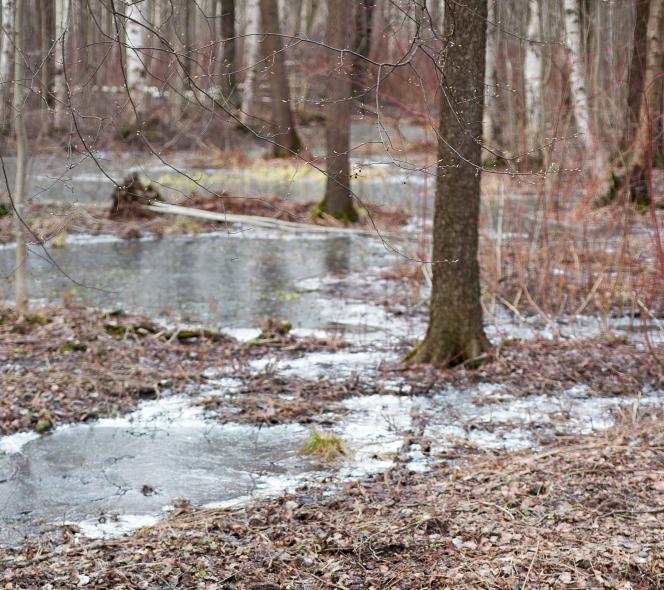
(115, 475)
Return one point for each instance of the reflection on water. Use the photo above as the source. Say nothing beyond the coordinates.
(232, 280)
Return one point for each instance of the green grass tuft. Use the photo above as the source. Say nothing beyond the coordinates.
(324, 445)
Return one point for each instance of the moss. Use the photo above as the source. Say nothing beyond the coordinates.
(73, 347)
(324, 445)
(183, 335)
(44, 424)
(4, 210)
(347, 216)
(37, 319)
(116, 330)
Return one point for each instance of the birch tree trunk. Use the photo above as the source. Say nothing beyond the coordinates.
(533, 78)
(285, 138)
(634, 179)
(20, 276)
(6, 63)
(577, 71)
(59, 82)
(135, 67)
(338, 200)
(252, 56)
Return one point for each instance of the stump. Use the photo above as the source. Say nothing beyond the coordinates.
(130, 200)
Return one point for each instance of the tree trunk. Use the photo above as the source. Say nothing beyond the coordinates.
(228, 85)
(252, 54)
(455, 333)
(577, 71)
(284, 139)
(134, 67)
(59, 83)
(47, 36)
(6, 62)
(634, 178)
(338, 200)
(533, 79)
(636, 71)
(20, 277)
(362, 45)
(490, 75)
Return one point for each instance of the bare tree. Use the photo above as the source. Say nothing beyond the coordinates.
(20, 277)
(135, 67)
(227, 58)
(251, 57)
(60, 85)
(338, 200)
(6, 63)
(634, 178)
(533, 77)
(577, 71)
(285, 137)
(455, 333)
(637, 70)
(362, 44)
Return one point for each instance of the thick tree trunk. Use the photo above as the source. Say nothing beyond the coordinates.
(20, 277)
(362, 45)
(533, 78)
(637, 70)
(252, 56)
(633, 180)
(6, 53)
(577, 71)
(285, 139)
(455, 333)
(227, 57)
(338, 200)
(59, 84)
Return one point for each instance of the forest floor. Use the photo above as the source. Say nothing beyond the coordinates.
(586, 512)
(579, 512)
(73, 364)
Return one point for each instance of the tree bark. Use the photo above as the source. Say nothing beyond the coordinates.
(634, 178)
(20, 276)
(533, 78)
(6, 53)
(490, 75)
(338, 200)
(47, 36)
(577, 71)
(362, 45)
(252, 54)
(636, 71)
(455, 333)
(134, 67)
(227, 58)
(59, 83)
(285, 138)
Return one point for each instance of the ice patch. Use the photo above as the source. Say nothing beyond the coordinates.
(13, 443)
(122, 524)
